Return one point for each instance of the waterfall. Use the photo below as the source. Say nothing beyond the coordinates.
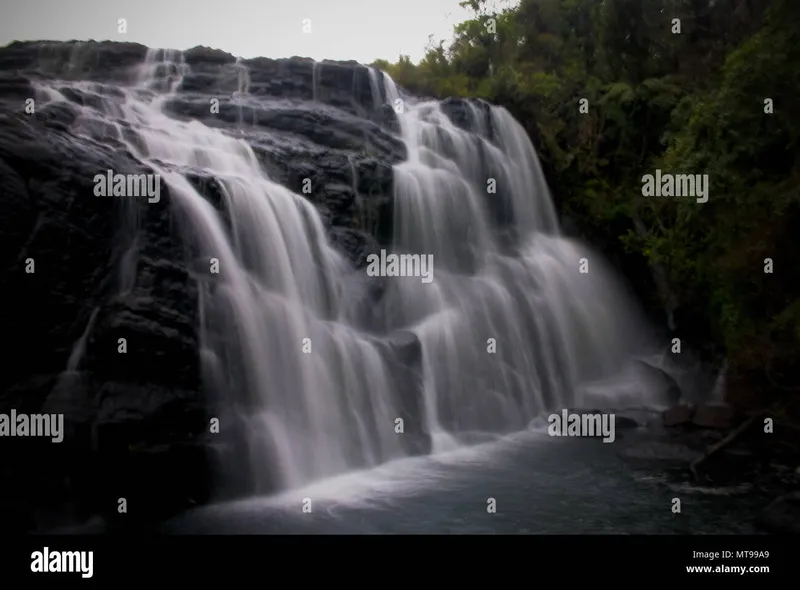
(508, 328)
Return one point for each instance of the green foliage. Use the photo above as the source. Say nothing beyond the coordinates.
(692, 103)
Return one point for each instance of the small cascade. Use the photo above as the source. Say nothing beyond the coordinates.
(242, 87)
(79, 347)
(376, 83)
(163, 70)
(315, 73)
(65, 395)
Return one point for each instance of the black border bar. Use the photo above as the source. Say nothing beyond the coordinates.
(496, 559)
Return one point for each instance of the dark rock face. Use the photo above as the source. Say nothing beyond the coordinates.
(661, 382)
(405, 358)
(137, 425)
(782, 516)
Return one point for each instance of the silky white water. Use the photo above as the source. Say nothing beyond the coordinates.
(510, 328)
(506, 280)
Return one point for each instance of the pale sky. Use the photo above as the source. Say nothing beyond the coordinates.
(362, 30)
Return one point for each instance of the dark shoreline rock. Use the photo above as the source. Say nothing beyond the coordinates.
(722, 450)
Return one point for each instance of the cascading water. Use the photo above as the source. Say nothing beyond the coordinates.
(509, 326)
(302, 415)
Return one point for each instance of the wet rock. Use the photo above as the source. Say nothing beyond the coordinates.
(358, 244)
(782, 516)
(678, 415)
(206, 56)
(471, 116)
(86, 60)
(406, 347)
(404, 355)
(625, 423)
(717, 416)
